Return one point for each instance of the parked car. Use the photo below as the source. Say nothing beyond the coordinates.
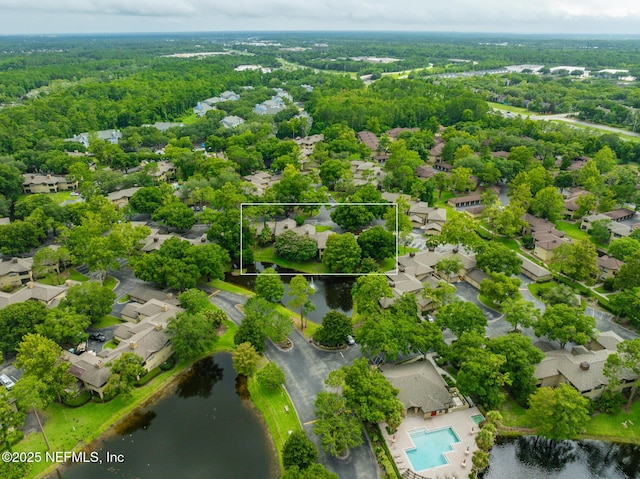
(98, 337)
(7, 381)
(350, 340)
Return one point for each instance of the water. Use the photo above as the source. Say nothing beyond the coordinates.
(534, 457)
(477, 418)
(430, 446)
(202, 429)
(332, 292)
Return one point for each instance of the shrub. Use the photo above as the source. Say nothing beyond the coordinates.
(610, 402)
(295, 247)
(148, 377)
(609, 284)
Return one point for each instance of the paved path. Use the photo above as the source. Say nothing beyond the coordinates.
(306, 369)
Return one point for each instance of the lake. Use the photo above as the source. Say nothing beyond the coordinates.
(533, 457)
(332, 292)
(200, 429)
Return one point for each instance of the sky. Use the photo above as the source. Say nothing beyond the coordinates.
(497, 16)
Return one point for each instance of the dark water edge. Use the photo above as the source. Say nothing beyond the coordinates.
(534, 457)
(332, 292)
(198, 428)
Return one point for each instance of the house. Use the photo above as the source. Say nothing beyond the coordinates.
(165, 125)
(442, 166)
(475, 211)
(544, 249)
(166, 171)
(261, 180)
(121, 198)
(425, 171)
(5, 221)
(15, 272)
(369, 139)
(475, 277)
(232, 121)
(270, 107)
(608, 267)
(422, 390)
(281, 226)
(621, 214)
(47, 294)
(582, 367)
(534, 271)
(617, 229)
(394, 197)
(146, 293)
(147, 339)
(468, 200)
(366, 172)
(202, 108)
(34, 183)
(421, 214)
(394, 132)
(112, 136)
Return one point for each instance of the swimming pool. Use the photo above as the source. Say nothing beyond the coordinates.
(430, 447)
(477, 418)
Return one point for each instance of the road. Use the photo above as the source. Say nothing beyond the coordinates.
(564, 117)
(306, 369)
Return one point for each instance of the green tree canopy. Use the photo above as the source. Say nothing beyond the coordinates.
(192, 333)
(564, 323)
(377, 243)
(125, 371)
(334, 330)
(90, 299)
(481, 376)
(269, 285)
(245, 359)
(342, 253)
(461, 316)
(298, 450)
(496, 257)
(558, 413)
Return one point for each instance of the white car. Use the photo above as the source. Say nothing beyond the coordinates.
(350, 340)
(7, 382)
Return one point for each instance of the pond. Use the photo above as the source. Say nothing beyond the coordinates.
(533, 457)
(332, 292)
(200, 429)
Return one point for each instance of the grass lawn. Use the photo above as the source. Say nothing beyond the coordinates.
(513, 109)
(610, 426)
(573, 231)
(513, 414)
(321, 228)
(124, 299)
(277, 410)
(110, 282)
(488, 303)
(268, 254)
(596, 127)
(107, 320)
(231, 288)
(537, 288)
(187, 118)
(75, 276)
(110, 345)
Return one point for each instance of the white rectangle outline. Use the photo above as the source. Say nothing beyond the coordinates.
(395, 271)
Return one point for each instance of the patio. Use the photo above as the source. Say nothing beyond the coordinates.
(462, 423)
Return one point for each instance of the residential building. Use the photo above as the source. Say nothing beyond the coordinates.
(121, 198)
(47, 294)
(534, 271)
(608, 267)
(369, 139)
(232, 121)
(544, 249)
(473, 199)
(15, 272)
(112, 136)
(34, 183)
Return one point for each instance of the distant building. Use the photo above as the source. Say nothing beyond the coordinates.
(231, 121)
(15, 272)
(121, 198)
(47, 184)
(112, 136)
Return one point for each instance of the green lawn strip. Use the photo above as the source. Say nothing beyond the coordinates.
(60, 196)
(537, 289)
(278, 412)
(105, 321)
(187, 118)
(110, 282)
(231, 288)
(70, 429)
(598, 128)
(488, 303)
(124, 299)
(75, 276)
(513, 415)
(321, 228)
(513, 109)
(110, 345)
(268, 255)
(574, 232)
(609, 426)
(52, 279)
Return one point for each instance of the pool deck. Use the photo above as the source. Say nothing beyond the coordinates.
(462, 424)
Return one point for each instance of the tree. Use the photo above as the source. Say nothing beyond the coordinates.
(245, 359)
(300, 290)
(331, 171)
(600, 232)
(176, 215)
(352, 217)
(370, 395)
(481, 375)
(147, 199)
(125, 371)
(626, 358)
(548, 203)
(521, 356)
(627, 278)
(211, 260)
(519, 311)
(496, 257)
(270, 376)
(193, 333)
(505, 220)
(17, 320)
(90, 299)
(480, 460)
(498, 287)
(337, 426)
(460, 229)
(586, 205)
(251, 330)
(485, 439)
(334, 330)
(605, 159)
(624, 248)
(10, 181)
(577, 260)
(194, 300)
(40, 358)
(368, 291)
(464, 347)
(342, 253)
(460, 316)
(269, 285)
(561, 293)
(564, 323)
(558, 413)
(449, 266)
(299, 451)
(401, 221)
(627, 303)
(11, 420)
(295, 247)
(442, 294)
(377, 243)
(461, 179)
(315, 471)
(64, 326)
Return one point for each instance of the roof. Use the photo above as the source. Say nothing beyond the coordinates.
(16, 265)
(394, 132)
(43, 180)
(120, 194)
(465, 199)
(420, 385)
(370, 140)
(39, 291)
(147, 293)
(620, 213)
(609, 263)
(531, 267)
(477, 275)
(550, 244)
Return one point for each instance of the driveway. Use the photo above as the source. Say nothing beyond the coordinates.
(306, 369)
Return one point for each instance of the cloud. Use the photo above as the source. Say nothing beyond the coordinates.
(489, 15)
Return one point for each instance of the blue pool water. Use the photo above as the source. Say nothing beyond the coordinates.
(477, 418)
(430, 447)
